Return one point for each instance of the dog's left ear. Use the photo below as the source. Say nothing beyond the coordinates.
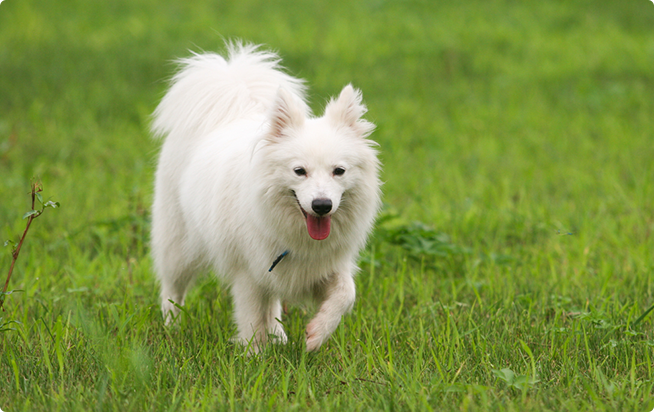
(347, 111)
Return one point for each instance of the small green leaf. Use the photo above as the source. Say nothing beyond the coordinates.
(9, 292)
(4, 325)
(39, 197)
(51, 204)
(455, 388)
(506, 374)
(521, 382)
(30, 213)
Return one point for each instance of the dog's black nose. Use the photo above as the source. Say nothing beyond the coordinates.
(321, 206)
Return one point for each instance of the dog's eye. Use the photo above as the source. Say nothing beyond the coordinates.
(300, 171)
(339, 171)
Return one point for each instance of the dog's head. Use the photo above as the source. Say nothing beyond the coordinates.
(319, 161)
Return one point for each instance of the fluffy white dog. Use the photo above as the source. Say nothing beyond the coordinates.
(277, 201)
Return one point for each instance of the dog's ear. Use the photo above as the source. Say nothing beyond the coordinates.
(347, 111)
(286, 114)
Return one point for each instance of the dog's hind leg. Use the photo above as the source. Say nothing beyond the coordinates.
(174, 266)
(175, 276)
(257, 314)
(174, 284)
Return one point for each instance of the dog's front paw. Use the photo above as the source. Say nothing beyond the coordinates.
(277, 336)
(319, 330)
(170, 313)
(315, 335)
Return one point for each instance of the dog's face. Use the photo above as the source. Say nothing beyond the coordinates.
(320, 173)
(320, 160)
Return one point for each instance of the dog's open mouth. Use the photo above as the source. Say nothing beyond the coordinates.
(317, 226)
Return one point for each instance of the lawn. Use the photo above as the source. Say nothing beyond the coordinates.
(510, 269)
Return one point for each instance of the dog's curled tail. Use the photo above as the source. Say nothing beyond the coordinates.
(209, 90)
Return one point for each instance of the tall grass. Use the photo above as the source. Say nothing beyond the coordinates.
(507, 271)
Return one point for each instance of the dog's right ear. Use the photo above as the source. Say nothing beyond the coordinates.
(286, 114)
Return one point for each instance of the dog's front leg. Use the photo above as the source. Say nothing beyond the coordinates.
(257, 314)
(338, 295)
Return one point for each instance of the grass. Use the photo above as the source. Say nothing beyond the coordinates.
(507, 271)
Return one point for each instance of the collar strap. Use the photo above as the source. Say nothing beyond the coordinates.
(278, 259)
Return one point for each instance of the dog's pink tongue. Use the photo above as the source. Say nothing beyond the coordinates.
(319, 227)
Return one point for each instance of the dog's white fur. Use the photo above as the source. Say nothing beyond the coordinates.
(228, 195)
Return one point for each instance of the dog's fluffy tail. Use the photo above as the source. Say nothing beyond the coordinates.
(209, 91)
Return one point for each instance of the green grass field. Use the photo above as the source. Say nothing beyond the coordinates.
(508, 270)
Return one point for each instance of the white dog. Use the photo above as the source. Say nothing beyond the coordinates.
(277, 201)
